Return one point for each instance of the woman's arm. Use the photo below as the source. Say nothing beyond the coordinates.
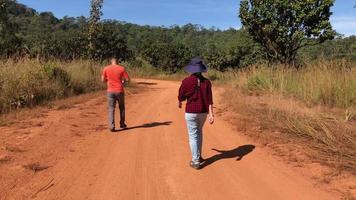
(211, 114)
(211, 108)
(181, 96)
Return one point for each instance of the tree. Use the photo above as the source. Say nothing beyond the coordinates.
(112, 43)
(168, 56)
(9, 43)
(282, 27)
(24, 31)
(94, 27)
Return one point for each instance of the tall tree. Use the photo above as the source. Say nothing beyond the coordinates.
(94, 27)
(9, 43)
(282, 27)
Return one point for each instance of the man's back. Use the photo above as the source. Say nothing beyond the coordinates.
(114, 75)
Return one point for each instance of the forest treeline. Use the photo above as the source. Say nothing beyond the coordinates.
(29, 33)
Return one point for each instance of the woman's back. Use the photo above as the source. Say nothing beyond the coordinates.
(197, 91)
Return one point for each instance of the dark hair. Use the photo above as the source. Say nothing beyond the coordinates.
(200, 76)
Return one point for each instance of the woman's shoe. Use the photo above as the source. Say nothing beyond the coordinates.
(195, 165)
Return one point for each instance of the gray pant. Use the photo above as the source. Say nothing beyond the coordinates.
(112, 99)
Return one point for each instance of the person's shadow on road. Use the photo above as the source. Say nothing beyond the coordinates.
(147, 125)
(237, 153)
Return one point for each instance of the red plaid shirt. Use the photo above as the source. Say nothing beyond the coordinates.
(198, 98)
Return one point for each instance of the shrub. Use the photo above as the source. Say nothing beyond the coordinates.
(28, 82)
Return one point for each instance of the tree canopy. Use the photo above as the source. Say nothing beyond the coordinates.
(282, 27)
(41, 35)
(8, 40)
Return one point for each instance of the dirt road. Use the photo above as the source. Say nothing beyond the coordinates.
(70, 154)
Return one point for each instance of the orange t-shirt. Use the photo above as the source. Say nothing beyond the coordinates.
(114, 75)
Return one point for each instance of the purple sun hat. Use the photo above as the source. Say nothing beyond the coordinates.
(196, 65)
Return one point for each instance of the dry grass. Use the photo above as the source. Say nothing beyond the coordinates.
(350, 114)
(61, 104)
(322, 133)
(327, 83)
(313, 107)
(27, 83)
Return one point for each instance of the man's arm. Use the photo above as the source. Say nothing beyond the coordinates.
(103, 77)
(125, 77)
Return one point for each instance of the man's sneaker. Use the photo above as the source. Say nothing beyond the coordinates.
(123, 126)
(195, 165)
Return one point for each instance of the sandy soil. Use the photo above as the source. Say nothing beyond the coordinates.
(70, 154)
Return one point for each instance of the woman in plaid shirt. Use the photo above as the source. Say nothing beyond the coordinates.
(196, 89)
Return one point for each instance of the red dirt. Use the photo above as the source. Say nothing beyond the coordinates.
(76, 157)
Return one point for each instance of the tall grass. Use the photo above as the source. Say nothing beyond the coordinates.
(30, 82)
(329, 140)
(324, 125)
(327, 83)
(27, 83)
(324, 136)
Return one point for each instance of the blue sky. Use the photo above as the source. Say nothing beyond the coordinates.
(209, 13)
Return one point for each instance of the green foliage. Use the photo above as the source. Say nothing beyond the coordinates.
(238, 51)
(9, 43)
(282, 27)
(94, 27)
(45, 37)
(339, 48)
(111, 42)
(167, 56)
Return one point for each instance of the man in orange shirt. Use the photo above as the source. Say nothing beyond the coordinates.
(115, 76)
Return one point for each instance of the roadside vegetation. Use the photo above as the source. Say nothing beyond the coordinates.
(28, 83)
(313, 108)
(328, 83)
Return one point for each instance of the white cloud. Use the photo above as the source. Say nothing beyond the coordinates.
(345, 25)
